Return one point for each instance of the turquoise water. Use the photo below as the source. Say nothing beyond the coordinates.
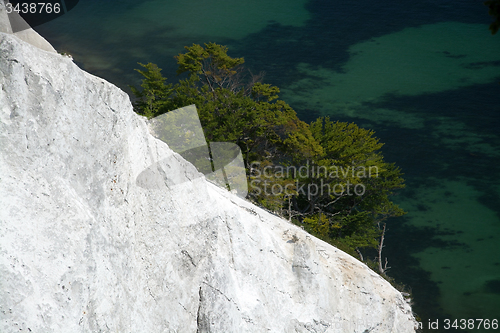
(423, 76)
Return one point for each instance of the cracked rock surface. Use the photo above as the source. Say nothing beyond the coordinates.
(85, 248)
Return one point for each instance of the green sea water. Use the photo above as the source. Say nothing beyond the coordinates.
(417, 61)
(423, 76)
(413, 61)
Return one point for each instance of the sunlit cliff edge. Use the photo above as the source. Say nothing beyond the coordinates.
(85, 248)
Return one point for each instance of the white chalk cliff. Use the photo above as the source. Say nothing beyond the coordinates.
(84, 248)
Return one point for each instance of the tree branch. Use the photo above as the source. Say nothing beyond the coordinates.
(380, 246)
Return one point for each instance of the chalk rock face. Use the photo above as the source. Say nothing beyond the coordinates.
(85, 248)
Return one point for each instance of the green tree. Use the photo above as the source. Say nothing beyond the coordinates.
(345, 194)
(349, 185)
(213, 65)
(152, 99)
(232, 106)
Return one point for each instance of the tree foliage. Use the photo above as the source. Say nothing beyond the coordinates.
(152, 99)
(346, 193)
(494, 10)
(235, 106)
